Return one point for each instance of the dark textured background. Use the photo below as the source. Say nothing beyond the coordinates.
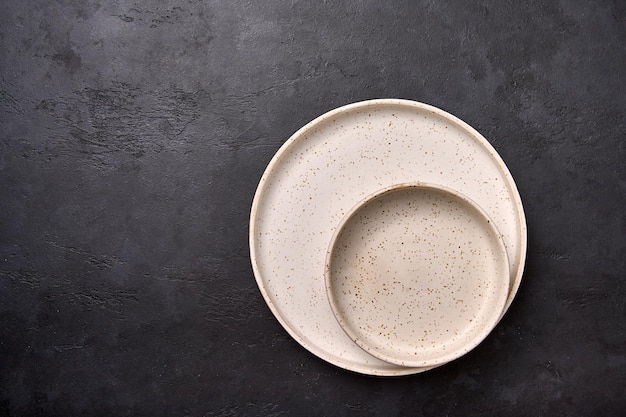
(134, 133)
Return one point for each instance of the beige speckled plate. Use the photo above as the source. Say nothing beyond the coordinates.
(332, 163)
(417, 274)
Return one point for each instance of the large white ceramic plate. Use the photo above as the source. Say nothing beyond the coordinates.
(332, 163)
(417, 274)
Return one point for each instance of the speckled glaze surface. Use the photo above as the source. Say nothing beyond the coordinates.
(417, 275)
(335, 161)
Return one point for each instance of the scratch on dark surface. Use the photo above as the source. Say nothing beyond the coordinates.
(257, 408)
(112, 300)
(177, 278)
(580, 296)
(204, 269)
(64, 348)
(10, 104)
(99, 261)
(341, 70)
(554, 255)
(152, 18)
(28, 278)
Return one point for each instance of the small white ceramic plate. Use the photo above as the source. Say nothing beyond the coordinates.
(332, 163)
(417, 275)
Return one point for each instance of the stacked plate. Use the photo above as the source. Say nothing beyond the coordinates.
(387, 237)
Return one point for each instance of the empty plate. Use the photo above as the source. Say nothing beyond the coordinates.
(417, 275)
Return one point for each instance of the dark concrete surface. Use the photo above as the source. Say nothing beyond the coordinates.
(134, 133)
